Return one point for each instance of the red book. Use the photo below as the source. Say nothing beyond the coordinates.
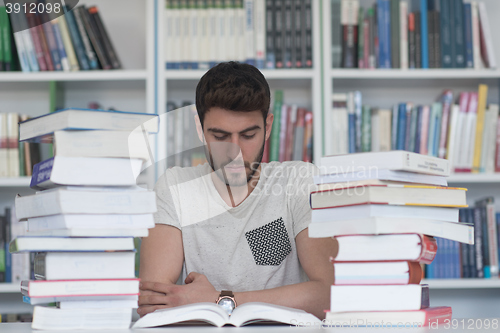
(285, 112)
(308, 132)
(44, 43)
(430, 317)
(497, 155)
(30, 17)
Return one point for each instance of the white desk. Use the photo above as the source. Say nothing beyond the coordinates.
(26, 328)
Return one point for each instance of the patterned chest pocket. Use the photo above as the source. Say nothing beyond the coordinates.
(270, 243)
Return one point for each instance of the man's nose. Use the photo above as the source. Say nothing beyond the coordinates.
(234, 149)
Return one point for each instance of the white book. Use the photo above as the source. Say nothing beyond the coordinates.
(489, 136)
(113, 304)
(241, 26)
(177, 41)
(185, 42)
(48, 300)
(86, 119)
(393, 160)
(143, 232)
(49, 318)
(20, 261)
(372, 210)
(168, 41)
(69, 201)
(68, 44)
(213, 34)
(403, 19)
(382, 174)
(484, 21)
(203, 24)
(85, 265)
(231, 33)
(375, 128)
(194, 33)
(340, 124)
(476, 37)
(470, 134)
(221, 31)
(44, 244)
(453, 134)
(372, 273)
(89, 287)
(379, 298)
(88, 221)
(97, 143)
(493, 122)
(4, 151)
(249, 31)
(85, 171)
(385, 116)
(459, 232)
(458, 154)
(260, 32)
(211, 313)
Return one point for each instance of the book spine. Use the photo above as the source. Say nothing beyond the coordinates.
(476, 39)
(43, 43)
(52, 44)
(3, 240)
(446, 56)
(492, 238)
(21, 49)
(447, 100)
(8, 238)
(308, 137)
(366, 129)
(418, 40)
(409, 117)
(424, 34)
(418, 135)
(401, 136)
(260, 33)
(464, 248)
(285, 114)
(358, 111)
(89, 51)
(489, 51)
(352, 129)
(194, 32)
(497, 153)
(430, 31)
(307, 37)
(76, 40)
(336, 31)
(424, 139)
(481, 109)
(287, 33)
(403, 50)
(68, 46)
(366, 36)
(458, 33)
(36, 40)
(469, 49)
(270, 31)
(437, 40)
(108, 46)
(60, 45)
(384, 33)
(372, 58)
(395, 36)
(478, 242)
(297, 35)
(361, 38)
(411, 41)
(413, 129)
(485, 245)
(299, 135)
(91, 28)
(249, 32)
(275, 132)
(278, 33)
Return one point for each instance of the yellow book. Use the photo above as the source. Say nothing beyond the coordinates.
(481, 109)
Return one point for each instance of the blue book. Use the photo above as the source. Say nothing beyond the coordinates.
(395, 126)
(472, 248)
(8, 238)
(60, 45)
(462, 217)
(469, 53)
(434, 129)
(352, 133)
(444, 18)
(458, 29)
(413, 129)
(498, 232)
(418, 135)
(409, 112)
(384, 33)
(424, 34)
(51, 41)
(401, 138)
(439, 258)
(76, 39)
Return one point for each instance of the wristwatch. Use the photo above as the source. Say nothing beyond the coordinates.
(226, 300)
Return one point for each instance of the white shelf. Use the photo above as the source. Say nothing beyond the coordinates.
(285, 74)
(414, 74)
(474, 178)
(96, 75)
(462, 283)
(15, 182)
(10, 288)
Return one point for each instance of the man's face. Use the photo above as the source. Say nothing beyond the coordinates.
(235, 144)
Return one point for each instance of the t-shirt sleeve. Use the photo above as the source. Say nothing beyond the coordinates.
(299, 200)
(165, 195)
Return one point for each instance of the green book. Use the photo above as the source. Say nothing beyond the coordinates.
(361, 39)
(275, 131)
(395, 33)
(366, 129)
(5, 41)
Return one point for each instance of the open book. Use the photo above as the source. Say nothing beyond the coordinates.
(212, 313)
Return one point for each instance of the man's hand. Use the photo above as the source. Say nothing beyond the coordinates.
(156, 295)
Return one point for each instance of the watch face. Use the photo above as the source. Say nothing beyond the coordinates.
(227, 303)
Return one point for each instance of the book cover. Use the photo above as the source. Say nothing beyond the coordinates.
(468, 40)
(457, 11)
(424, 34)
(336, 31)
(447, 101)
(384, 33)
(481, 110)
(401, 133)
(395, 14)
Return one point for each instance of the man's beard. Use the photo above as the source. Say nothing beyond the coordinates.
(222, 174)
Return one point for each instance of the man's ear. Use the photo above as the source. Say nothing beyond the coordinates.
(269, 125)
(199, 129)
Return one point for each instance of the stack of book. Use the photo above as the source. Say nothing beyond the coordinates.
(411, 34)
(53, 37)
(384, 210)
(264, 33)
(84, 217)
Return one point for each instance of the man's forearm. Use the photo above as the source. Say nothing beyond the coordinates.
(311, 296)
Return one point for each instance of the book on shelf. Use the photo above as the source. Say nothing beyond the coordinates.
(211, 313)
(77, 40)
(413, 34)
(264, 33)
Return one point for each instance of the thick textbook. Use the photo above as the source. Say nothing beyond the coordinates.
(86, 119)
(51, 318)
(49, 300)
(65, 288)
(211, 313)
(389, 194)
(418, 318)
(94, 221)
(459, 232)
(85, 171)
(392, 160)
(379, 298)
(84, 265)
(412, 247)
(377, 273)
(75, 200)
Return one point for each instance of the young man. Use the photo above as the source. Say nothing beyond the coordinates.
(235, 228)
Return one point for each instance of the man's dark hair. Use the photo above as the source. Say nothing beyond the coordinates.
(233, 86)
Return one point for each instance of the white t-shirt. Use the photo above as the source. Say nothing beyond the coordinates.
(247, 247)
